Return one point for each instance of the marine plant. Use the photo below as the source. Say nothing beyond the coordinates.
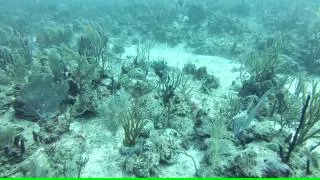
(310, 52)
(141, 59)
(85, 75)
(289, 112)
(160, 68)
(6, 58)
(173, 90)
(15, 152)
(197, 13)
(57, 64)
(307, 128)
(167, 87)
(232, 106)
(110, 111)
(264, 66)
(186, 87)
(41, 97)
(209, 82)
(218, 134)
(289, 108)
(94, 45)
(260, 70)
(50, 36)
(143, 50)
(81, 163)
(132, 122)
(17, 57)
(189, 68)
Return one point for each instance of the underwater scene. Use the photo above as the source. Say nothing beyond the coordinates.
(159, 88)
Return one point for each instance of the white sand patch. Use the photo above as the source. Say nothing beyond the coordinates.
(178, 57)
(184, 167)
(218, 66)
(102, 149)
(309, 80)
(103, 162)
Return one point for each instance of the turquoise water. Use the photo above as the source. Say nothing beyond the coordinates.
(150, 88)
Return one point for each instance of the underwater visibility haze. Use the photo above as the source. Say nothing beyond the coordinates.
(159, 88)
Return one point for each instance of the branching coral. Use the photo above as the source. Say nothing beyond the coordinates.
(310, 116)
(93, 44)
(263, 66)
(289, 111)
(5, 58)
(49, 36)
(41, 97)
(261, 70)
(16, 57)
(232, 106)
(160, 67)
(132, 123)
(168, 86)
(110, 111)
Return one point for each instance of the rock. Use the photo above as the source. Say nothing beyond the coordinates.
(74, 88)
(250, 101)
(137, 73)
(210, 82)
(189, 68)
(183, 124)
(240, 122)
(143, 165)
(257, 161)
(183, 108)
(148, 127)
(37, 165)
(235, 86)
(258, 131)
(201, 73)
(245, 164)
(6, 135)
(220, 152)
(160, 147)
(137, 88)
(255, 88)
(204, 128)
(202, 131)
(166, 142)
(274, 168)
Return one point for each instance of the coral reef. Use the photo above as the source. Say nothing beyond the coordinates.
(159, 88)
